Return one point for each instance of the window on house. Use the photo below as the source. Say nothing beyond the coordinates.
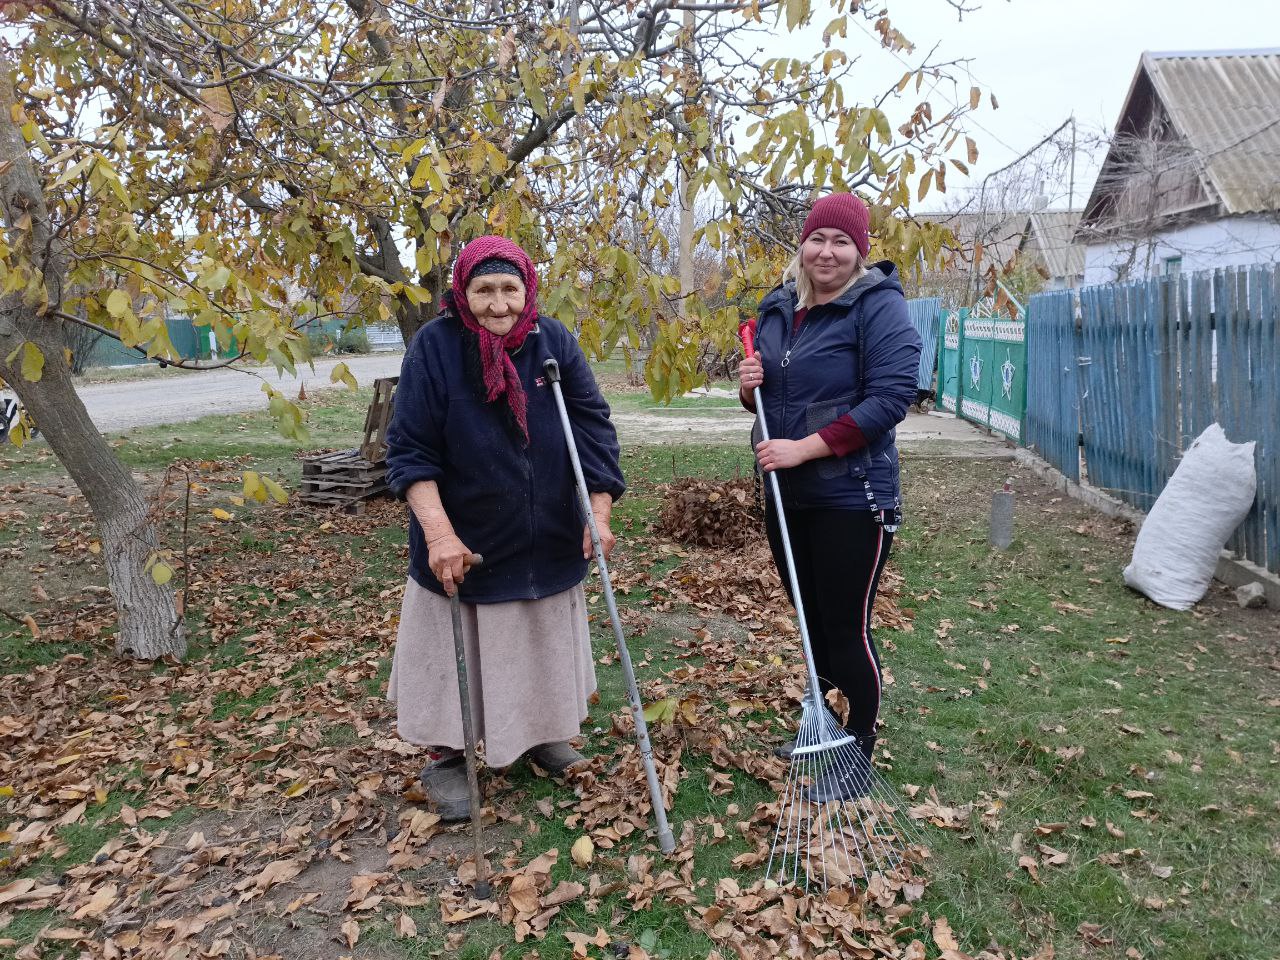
(1172, 266)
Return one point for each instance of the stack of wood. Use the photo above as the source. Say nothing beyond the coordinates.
(348, 479)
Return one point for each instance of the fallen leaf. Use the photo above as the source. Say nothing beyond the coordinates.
(524, 894)
(565, 891)
(582, 851)
(98, 904)
(351, 932)
(942, 935)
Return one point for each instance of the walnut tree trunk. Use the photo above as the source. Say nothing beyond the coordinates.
(149, 625)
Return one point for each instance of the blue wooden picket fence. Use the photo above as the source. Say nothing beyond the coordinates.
(1122, 381)
(1053, 399)
(924, 317)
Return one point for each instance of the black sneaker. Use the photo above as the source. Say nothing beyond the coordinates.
(783, 751)
(846, 778)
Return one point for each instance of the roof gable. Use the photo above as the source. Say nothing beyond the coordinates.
(1224, 108)
(1050, 234)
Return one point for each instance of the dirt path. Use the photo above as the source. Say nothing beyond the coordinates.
(932, 435)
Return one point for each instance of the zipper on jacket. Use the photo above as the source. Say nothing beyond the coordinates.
(786, 388)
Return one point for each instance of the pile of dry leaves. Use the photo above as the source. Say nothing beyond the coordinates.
(271, 811)
(710, 513)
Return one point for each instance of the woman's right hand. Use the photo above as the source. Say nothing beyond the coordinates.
(750, 374)
(449, 560)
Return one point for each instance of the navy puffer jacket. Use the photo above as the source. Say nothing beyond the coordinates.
(857, 356)
(512, 503)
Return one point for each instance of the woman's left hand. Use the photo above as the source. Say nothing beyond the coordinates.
(783, 454)
(607, 539)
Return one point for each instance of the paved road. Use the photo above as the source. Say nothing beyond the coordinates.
(175, 399)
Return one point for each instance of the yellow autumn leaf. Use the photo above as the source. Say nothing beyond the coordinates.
(95, 547)
(253, 488)
(118, 303)
(6, 792)
(340, 374)
(238, 501)
(32, 362)
(277, 492)
(297, 788)
(161, 573)
(220, 514)
(583, 851)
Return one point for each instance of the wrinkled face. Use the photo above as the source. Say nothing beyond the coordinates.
(829, 257)
(496, 299)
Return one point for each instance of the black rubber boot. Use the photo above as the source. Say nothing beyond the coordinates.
(445, 782)
(847, 777)
(557, 757)
(849, 774)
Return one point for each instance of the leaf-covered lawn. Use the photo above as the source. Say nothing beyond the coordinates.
(1105, 771)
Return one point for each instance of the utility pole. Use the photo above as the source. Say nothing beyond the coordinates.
(1071, 180)
(684, 179)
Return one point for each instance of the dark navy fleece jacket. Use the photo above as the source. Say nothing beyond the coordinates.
(513, 504)
(820, 384)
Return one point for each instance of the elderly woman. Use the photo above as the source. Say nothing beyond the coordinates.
(837, 360)
(476, 447)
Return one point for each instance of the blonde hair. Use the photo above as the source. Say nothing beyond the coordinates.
(804, 286)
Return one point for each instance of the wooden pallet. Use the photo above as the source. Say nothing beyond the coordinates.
(343, 479)
(374, 446)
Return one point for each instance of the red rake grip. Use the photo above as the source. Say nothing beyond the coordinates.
(748, 335)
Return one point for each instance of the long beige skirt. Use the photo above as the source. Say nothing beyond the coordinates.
(529, 668)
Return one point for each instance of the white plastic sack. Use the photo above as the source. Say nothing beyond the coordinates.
(1204, 501)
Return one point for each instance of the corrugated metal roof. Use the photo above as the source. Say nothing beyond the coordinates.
(1052, 230)
(1227, 106)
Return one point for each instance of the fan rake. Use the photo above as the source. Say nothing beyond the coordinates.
(838, 820)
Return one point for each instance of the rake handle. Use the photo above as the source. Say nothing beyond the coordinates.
(747, 332)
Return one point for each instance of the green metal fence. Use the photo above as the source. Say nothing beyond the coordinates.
(982, 370)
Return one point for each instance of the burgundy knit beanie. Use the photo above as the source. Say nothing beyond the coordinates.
(841, 211)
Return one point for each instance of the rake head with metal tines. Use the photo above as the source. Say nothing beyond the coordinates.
(839, 822)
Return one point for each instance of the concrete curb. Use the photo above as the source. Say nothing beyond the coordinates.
(1231, 570)
(1102, 502)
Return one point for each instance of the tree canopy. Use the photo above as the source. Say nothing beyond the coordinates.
(259, 168)
(263, 168)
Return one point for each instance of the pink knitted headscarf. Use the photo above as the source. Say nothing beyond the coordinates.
(499, 372)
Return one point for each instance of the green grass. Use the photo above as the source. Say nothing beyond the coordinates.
(335, 420)
(628, 402)
(1153, 713)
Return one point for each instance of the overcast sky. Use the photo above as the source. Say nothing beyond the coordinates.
(1047, 59)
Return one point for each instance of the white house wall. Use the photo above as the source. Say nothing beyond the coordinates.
(1232, 241)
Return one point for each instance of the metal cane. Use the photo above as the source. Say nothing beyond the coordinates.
(482, 889)
(666, 842)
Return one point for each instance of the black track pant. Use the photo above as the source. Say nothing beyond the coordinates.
(839, 555)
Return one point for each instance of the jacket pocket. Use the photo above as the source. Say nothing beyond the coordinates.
(823, 413)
